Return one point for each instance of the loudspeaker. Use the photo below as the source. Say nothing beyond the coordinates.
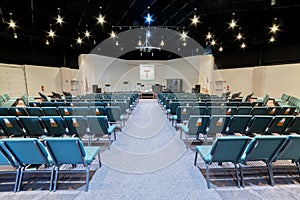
(197, 88)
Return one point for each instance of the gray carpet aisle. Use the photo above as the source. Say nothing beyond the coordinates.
(149, 161)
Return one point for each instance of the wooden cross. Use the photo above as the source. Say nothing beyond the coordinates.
(147, 71)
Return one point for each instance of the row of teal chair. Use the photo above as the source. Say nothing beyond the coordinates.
(248, 125)
(7, 101)
(55, 152)
(183, 112)
(56, 126)
(242, 149)
(114, 113)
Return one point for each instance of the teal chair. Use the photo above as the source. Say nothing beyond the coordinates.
(263, 148)
(33, 126)
(258, 125)
(243, 110)
(77, 125)
(261, 110)
(97, 110)
(98, 127)
(294, 126)
(238, 124)
(218, 124)
(287, 110)
(196, 125)
(51, 111)
(18, 111)
(29, 151)
(66, 111)
(34, 111)
(11, 126)
(81, 111)
(7, 160)
(290, 151)
(71, 151)
(279, 124)
(55, 126)
(224, 149)
(182, 114)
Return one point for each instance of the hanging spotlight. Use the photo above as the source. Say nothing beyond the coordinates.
(87, 33)
(274, 28)
(183, 35)
(239, 36)
(232, 24)
(243, 45)
(220, 49)
(51, 33)
(139, 42)
(47, 42)
(113, 35)
(12, 23)
(195, 19)
(79, 40)
(148, 18)
(59, 19)
(272, 39)
(213, 42)
(15, 35)
(209, 35)
(101, 18)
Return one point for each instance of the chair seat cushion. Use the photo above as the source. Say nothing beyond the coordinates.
(184, 128)
(110, 129)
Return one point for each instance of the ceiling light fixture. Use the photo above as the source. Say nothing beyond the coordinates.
(195, 19)
(232, 24)
(12, 23)
(51, 33)
(87, 33)
(243, 45)
(113, 35)
(79, 40)
(148, 18)
(274, 28)
(272, 39)
(239, 36)
(15, 35)
(213, 42)
(59, 19)
(146, 46)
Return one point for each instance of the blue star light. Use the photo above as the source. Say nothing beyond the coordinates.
(148, 19)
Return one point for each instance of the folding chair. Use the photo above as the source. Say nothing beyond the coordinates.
(114, 115)
(77, 125)
(98, 127)
(263, 148)
(294, 126)
(196, 125)
(66, 111)
(28, 151)
(34, 111)
(71, 151)
(55, 126)
(97, 110)
(217, 125)
(224, 149)
(279, 124)
(18, 111)
(11, 126)
(238, 124)
(33, 126)
(258, 125)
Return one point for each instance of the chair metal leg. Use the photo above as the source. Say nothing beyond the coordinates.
(90, 140)
(242, 175)
(186, 141)
(109, 142)
(270, 170)
(115, 135)
(205, 138)
(51, 178)
(17, 179)
(207, 176)
(99, 158)
(237, 176)
(87, 178)
(181, 134)
(298, 165)
(195, 161)
(56, 178)
(20, 178)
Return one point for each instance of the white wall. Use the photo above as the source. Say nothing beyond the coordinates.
(102, 70)
(37, 76)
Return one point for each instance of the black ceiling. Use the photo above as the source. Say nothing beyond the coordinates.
(254, 17)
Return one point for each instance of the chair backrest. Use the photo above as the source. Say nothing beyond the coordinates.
(238, 124)
(285, 97)
(259, 124)
(76, 125)
(198, 124)
(243, 110)
(266, 99)
(66, 150)
(32, 125)
(34, 104)
(173, 107)
(294, 126)
(113, 113)
(218, 124)
(183, 113)
(66, 111)
(291, 149)
(229, 110)
(43, 96)
(81, 111)
(98, 110)
(5, 157)
(273, 110)
(258, 110)
(55, 125)
(34, 111)
(11, 126)
(123, 106)
(229, 148)
(27, 151)
(98, 125)
(264, 148)
(215, 110)
(51, 111)
(199, 110)
(287, 110)
(279, 124)
(4, 111)
(18, 111)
